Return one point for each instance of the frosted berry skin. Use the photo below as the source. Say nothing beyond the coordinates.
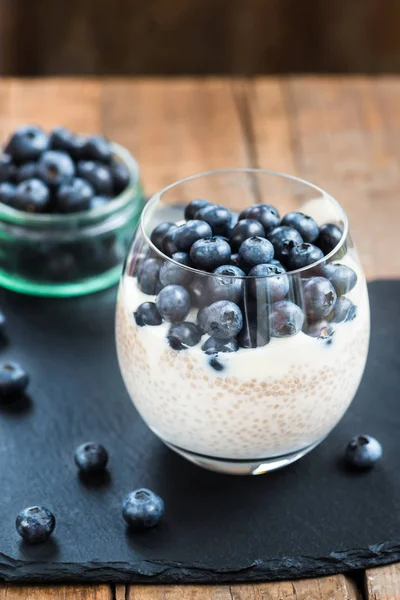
(363, 451)
(142, 509)
(91, 457)
(35, 524)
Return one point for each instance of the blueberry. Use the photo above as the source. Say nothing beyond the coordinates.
(269, 284)
(213, 346)
(201, 319)
(303, 255)
(35, 524)
(98, 175)
(255, 251)
(96, 148)
(186, 235)
(244, 230)
(183, 335)
(266, 214)
(142, 509)
(341, 277)
(329, 237)
(169, 247)
(7, 193)
(194, 206)
(27, 143)
(223, 320)
(276, 263)
(218, 217)
(147, 314)
(98, 201)
(319, 297)
(318, 329)
(215, 363)
(173, 303)
(32, 195)
(198, 290)
(63, 139)
(13, 380)
(8, 170)
(158, 234)
(232, 224)
(148, 275)
(74, 196)
(55, 167)
(210, 253)
(26, 171)
(363, 451)
(121, 177)
(235, 260)
(227, 287)
(343, 310)
(173, 273)
(91, 457)
(286, 319)
(253, 335)
(304, 224)
(283, 240)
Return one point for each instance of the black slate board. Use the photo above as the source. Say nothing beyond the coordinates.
(311, 518)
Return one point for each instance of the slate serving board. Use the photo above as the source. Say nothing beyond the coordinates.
(311, 518)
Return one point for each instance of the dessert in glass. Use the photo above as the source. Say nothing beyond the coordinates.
(242, 320)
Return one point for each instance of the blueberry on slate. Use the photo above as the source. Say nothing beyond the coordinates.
(183, 335)
(223, 320)
(158, 234)
(305, 225)
(342, 278)
(97, 148)
(7, 193)
(244, 230)
(13, 380)
(55, 167)
(319, 297)
(59, 265)
(74, 196)
(26, 171)
(148, 275)
(318, 329)
(173, 303)
(227, 287)
(363, 451)
(186, 235)
(32, 195)
(169, 247)
(142, 509)
(27, 143)
(329, 237)
(266, 214)
(35, 524)
(91, 457)
(98, 201)
(343, 310)
(98, 175)
(283, 240)
(120, 176)
(270, 283)
(63, 139)
(173, 273)
(213, 346)
(255, 251)
(218, 217)
(147, 314)
(286, 319)
(303, 255)
(8, 170)
(210, 253)
(194, 206)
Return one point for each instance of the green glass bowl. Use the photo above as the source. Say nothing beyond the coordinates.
(70, 255)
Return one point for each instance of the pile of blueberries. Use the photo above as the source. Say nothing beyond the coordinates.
(250, 297)
(60, 172)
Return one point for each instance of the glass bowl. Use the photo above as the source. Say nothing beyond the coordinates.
(295, 355)
(70, 255)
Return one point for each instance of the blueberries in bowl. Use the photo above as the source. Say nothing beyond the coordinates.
(27, 143)
(303, 255)
(304, 224)
(266, 214)
(243, 230)
(283, 240)
(209, 253)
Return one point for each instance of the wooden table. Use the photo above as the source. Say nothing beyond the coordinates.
(341, 133)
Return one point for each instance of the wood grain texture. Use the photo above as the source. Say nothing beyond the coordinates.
(60, 592)
(383, 583)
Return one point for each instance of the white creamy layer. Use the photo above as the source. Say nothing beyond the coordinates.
(268, 401)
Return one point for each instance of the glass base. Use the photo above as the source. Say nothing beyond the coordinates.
(249, 466)
(61, 290)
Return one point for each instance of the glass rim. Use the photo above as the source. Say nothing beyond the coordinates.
(156, 197)
(19, 217)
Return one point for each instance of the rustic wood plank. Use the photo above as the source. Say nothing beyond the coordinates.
(383, 583)
(179, 592)
(120, 592)
(60, 592)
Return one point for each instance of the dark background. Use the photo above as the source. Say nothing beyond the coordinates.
(197, 37)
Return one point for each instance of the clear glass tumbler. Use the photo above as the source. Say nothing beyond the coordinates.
(275, 389)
